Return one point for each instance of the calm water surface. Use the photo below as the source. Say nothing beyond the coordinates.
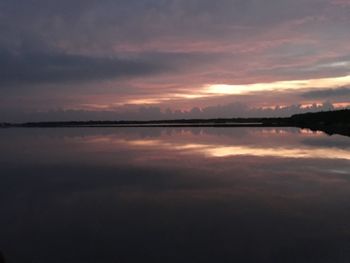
(174, 195)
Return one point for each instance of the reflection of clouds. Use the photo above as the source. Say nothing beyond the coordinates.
(170, 142)
(223, 151)
(185, 142)
(226, 151)
(109, 178)
(340, 171)
(339, 143)
(274, 142)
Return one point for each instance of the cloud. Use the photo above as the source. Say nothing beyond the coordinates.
(327, 93)
(104, 26)
(343, 3)
(118, 52)
(33, 62)
(53, 67)
(231, 110)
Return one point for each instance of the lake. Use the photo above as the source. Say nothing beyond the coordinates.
(105, 195)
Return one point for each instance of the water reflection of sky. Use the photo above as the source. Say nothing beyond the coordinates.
(174, 195)
(278, 143)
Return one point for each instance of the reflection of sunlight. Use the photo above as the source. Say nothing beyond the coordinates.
(278, 152)
(99, 139)
(212, 150)
(340, 171)
(145, 142)
(191, 146)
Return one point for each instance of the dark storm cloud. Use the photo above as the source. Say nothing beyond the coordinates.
(31, 66)
(327, 93)
(45, 67)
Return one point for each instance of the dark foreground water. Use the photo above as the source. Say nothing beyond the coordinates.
(174, 195)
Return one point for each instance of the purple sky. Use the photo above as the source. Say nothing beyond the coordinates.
(83, 59)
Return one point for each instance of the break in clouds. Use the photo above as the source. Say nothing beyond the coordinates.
(99, 57)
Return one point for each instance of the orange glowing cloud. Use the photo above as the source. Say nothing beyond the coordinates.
(224, 89)
(218, 90)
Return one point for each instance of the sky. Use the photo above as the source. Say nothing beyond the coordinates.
(149, 59)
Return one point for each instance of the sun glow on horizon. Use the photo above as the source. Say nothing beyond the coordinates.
(226, 89)
(216, 90)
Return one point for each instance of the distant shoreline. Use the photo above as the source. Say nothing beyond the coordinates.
(331, 122)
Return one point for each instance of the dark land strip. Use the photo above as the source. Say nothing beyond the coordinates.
(330, 122)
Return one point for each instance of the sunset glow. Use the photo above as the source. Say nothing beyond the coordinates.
(323, 83)
(172, 59)
(174, 131)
